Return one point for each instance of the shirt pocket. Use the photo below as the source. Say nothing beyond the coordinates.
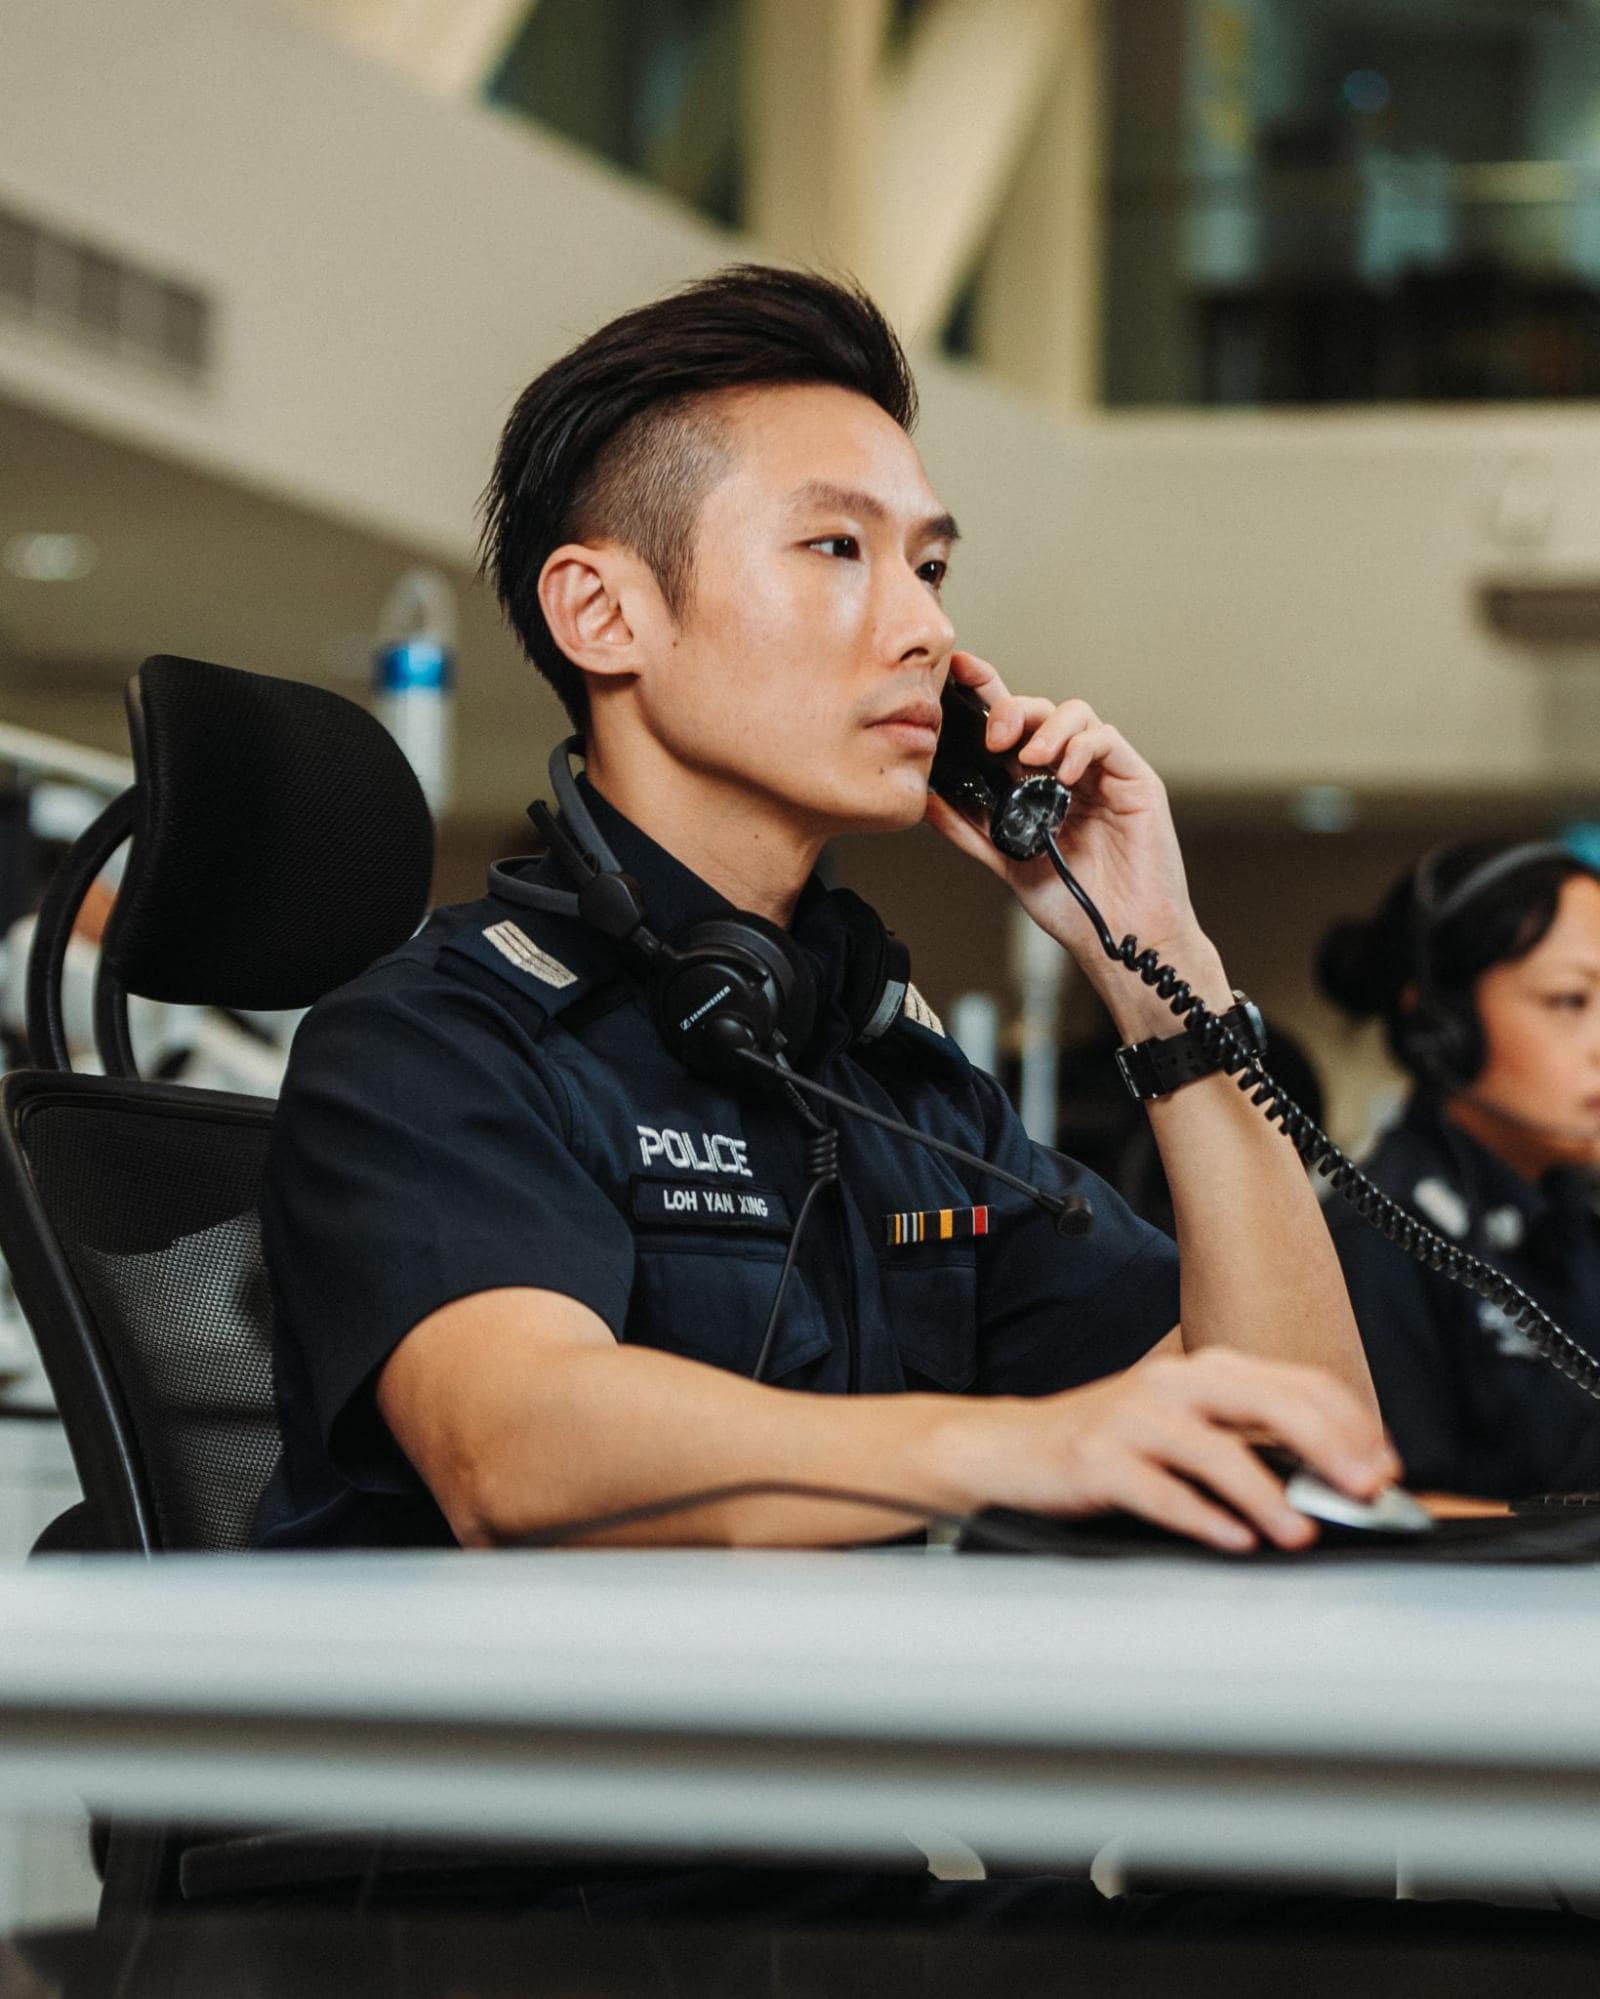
(706, 1302)
(930, 1296)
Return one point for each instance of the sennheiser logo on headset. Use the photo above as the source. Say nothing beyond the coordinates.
(703, 1009)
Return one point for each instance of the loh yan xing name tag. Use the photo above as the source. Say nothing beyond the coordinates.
(698, 1204)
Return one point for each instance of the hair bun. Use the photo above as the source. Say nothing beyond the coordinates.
(1354, 970)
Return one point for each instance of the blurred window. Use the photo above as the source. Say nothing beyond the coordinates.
(654, 86)
(1344, 201)
(651, 85)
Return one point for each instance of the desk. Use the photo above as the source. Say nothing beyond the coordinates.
(1302, 1723)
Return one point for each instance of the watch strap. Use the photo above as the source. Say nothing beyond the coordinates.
(1157, 1067)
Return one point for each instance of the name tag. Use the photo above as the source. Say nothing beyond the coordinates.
(698, 1204)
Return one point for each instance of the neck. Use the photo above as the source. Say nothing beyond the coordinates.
(1526, 1150)
(745, 846)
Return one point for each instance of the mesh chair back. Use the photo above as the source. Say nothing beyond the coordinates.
(128, 1216)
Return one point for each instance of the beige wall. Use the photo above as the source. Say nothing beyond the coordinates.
(390, 266)
(1265, 600)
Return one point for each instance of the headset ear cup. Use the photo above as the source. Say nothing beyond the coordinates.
(1461, 1032)
(877, 968)
(775, 957)
(732, 983)
(1441, 1042)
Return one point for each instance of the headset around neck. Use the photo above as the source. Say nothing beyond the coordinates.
(729, 984)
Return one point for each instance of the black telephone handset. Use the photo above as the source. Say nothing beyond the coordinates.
(1022, 816)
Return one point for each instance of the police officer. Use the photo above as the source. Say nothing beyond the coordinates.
(525, 1228)
(1483, 963)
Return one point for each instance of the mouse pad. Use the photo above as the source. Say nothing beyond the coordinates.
(1571, 1537)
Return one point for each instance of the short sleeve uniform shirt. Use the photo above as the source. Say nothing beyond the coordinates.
(491, 1106)
(1471, 1406)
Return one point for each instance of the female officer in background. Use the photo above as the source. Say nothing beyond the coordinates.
(1484, 964)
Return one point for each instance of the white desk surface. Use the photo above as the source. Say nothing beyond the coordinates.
(1311, 1723)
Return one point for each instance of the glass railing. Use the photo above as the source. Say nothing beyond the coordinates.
(1406, 280)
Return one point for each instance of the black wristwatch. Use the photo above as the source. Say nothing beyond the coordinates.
(1157, 1068)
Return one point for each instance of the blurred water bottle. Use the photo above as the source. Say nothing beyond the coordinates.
(413, 673)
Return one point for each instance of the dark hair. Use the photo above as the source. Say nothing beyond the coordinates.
(1370, 966)
(614, 441)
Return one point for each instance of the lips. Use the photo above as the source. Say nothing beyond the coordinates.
(914, 715)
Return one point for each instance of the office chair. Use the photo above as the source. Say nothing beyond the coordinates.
(278, 844)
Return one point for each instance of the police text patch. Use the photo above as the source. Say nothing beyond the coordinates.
(692, 1204)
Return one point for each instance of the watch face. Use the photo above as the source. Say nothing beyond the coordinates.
(1252, 1015)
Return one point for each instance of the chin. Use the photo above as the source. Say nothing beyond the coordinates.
(1579, 1153)
(886, 808)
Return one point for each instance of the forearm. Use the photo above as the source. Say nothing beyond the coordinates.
(524, 1415)
(601, 1430)
(1258, 1268)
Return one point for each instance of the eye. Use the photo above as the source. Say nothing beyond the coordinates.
(1574, 1002)
(933, 572)
(843, 547)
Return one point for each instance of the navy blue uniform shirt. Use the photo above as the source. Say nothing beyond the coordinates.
(490, 1106)
(1472, 1407)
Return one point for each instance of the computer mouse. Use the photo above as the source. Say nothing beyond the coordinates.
(1391, 1511)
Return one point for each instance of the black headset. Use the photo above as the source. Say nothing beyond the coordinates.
(729, 984)
(1441, 1037)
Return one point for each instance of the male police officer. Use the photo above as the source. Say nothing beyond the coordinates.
(522, 1256)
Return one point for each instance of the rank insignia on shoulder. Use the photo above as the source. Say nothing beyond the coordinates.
(519, 948)
(915, 1225)
(917, 1008)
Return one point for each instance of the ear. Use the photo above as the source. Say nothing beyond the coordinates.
(600, 601)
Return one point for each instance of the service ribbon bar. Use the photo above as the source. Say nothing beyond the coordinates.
(934, 1225)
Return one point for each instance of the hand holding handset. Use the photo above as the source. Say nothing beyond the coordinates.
(1021, 815)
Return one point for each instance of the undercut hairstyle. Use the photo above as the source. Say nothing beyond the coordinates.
(1369, 967)
(619, 440)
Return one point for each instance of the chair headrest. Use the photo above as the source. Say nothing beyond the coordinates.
(282, 842)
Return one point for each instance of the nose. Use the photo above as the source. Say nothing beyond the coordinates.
(914, 624)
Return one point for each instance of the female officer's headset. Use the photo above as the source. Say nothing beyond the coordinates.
(733, 995)
(1441, 1036)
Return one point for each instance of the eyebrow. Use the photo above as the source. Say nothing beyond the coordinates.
(851, 500)
(1573, 967)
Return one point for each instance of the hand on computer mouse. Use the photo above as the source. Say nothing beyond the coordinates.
(1169, 1440)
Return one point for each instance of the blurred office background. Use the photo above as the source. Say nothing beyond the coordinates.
(1257, 341)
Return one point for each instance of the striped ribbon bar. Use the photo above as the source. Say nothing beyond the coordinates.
(934, 1225)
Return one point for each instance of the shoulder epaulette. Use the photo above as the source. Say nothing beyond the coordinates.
(555, 963)
(920, 1035)
(917, 1010)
